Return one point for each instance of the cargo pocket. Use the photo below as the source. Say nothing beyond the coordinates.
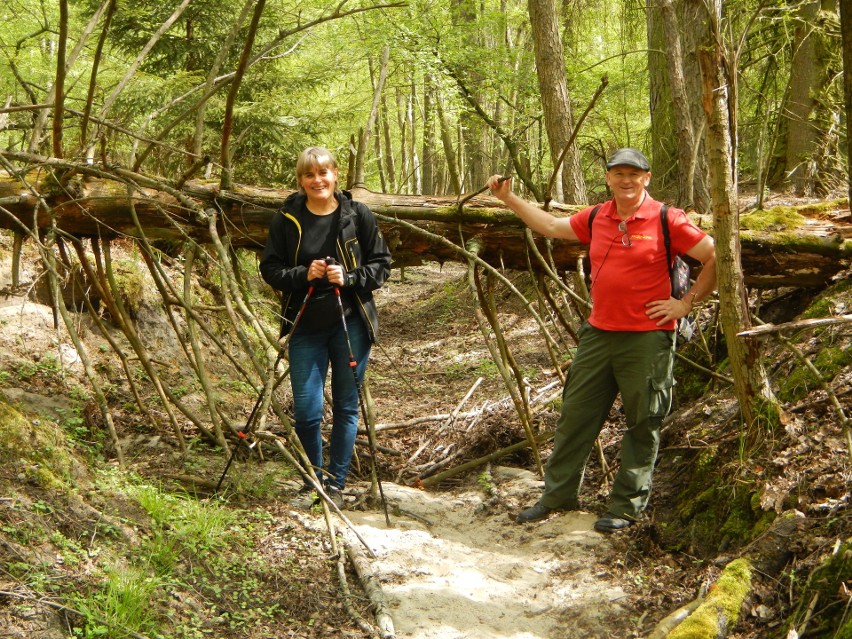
(662, 378)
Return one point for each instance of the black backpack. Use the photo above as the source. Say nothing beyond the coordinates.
(678, 271)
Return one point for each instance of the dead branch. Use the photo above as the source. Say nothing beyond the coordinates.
(481, 461)
(311, 479)
(486, 316)
(372, 586)
(768, 329)
(103, 405)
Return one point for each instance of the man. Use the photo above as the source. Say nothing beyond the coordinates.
(627, 344)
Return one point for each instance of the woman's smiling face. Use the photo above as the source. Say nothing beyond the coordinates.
(319, 183)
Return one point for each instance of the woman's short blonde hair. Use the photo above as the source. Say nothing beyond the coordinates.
(314, 157)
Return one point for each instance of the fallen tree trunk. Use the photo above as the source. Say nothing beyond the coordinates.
(91, 201)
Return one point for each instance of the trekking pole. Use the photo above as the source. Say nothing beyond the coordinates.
(282, 347)
(370, 432)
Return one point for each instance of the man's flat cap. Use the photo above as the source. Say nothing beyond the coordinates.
(628, 157)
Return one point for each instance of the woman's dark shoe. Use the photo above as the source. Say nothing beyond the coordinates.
(305, 498)
(335, 495)
(536, 512)
(610, 523)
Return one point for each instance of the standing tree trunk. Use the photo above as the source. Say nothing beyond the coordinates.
(364, 141)
(846, 35)
(93, 75)
(663, 146)
(213, 72)
(555, 101)
(447, 143)
(750, 380)
(59, 103)
(428, 159)
(472, 146)
(44, 114)
(402, 124)
(390, 165)
(685, 135)
(808, 143)
(416, 184)
(682, 177)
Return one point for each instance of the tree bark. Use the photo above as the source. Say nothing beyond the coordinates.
(59, 103)
(428, 142)
(685, 136)
(671, 165)
(447, 144)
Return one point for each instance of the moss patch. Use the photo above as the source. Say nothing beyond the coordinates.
(713, 512)
(36, 448)
(830, 301)
(132, 282)
(829, 362)
(778, 218)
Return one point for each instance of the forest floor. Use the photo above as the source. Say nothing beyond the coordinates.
(453, 563)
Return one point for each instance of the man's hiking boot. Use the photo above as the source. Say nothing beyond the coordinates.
(610, 523)
(536, 512)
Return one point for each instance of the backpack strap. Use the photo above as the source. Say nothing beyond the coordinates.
(667, 239)
(592, 217)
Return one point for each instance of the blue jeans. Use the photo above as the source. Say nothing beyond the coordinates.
(310, 355)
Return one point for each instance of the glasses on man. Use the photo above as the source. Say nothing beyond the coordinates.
(625, 238)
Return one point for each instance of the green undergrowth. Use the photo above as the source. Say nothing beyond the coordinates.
(202, 550)
(132, 556)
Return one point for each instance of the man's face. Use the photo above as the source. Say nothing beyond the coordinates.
(627, 182)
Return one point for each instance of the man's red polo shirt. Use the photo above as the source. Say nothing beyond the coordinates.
(625, 278)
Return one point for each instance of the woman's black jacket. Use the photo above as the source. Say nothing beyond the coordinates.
(360, 247)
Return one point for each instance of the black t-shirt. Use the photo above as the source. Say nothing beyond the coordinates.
(319, 236)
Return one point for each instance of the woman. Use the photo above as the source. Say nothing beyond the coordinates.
(316, 223)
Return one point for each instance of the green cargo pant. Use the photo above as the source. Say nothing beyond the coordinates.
(639, 366)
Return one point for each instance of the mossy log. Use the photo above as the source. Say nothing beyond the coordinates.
(89, 201)
(719, 612)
